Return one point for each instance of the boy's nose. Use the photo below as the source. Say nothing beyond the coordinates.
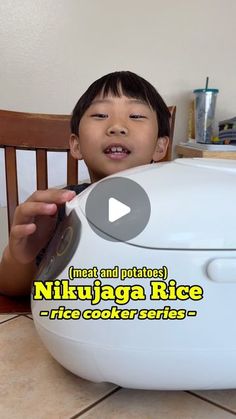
(117, 130)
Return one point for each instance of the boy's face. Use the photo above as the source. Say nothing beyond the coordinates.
(117, 133)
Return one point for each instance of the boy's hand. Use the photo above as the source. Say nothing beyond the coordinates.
(34, 222)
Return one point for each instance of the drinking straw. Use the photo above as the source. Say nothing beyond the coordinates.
(207, 80)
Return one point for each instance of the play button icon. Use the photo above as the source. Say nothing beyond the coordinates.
(118, 209)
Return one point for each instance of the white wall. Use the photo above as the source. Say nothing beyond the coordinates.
(51, 50)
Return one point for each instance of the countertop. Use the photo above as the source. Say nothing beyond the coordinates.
(34, 386)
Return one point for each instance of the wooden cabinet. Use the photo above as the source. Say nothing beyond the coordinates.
(183, 151)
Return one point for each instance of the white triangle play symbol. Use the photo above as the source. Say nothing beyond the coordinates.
(116, 209)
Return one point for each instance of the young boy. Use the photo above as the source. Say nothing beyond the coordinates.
(119, 122)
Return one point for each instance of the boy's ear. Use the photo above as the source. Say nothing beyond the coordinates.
(161, 148)
(75, 147)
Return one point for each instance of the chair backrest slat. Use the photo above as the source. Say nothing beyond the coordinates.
(11, 182)
(168, 155)
(41, 169)
(72, 170)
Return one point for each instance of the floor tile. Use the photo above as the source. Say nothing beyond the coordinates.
(134, 404)
(4, 317)
(29, 316)
(225, 398)
(32, 384)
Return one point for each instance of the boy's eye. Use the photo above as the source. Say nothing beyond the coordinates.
(137, 116)
(99, 115)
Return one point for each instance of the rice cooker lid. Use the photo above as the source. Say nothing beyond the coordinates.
(193, 203)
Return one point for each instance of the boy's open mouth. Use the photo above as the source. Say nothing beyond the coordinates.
(116, 151)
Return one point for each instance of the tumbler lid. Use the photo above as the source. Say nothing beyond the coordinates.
(206, 90)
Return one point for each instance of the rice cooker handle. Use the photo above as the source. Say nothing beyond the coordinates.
(222, 270)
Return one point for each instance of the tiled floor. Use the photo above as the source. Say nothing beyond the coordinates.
(34, 386)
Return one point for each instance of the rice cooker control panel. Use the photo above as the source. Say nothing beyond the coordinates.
(61, 248)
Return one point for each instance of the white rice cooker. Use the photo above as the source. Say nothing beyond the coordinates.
(156, 311)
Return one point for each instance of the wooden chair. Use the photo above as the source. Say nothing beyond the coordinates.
(41, 133)
(38, 132)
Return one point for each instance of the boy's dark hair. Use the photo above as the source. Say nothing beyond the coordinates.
(131, 85)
